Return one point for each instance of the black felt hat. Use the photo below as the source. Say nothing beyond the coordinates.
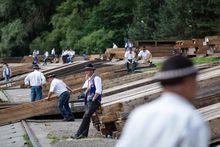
(36, 66)
(89, 66)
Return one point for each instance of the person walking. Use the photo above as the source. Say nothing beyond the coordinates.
(171, 120)
(45, 57)
(35, 56)
(58, 87)
(53, 54)
(35, 79)
(6, 72)
(93, 96)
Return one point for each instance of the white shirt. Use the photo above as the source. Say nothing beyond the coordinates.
(53, 52)
(97, 82)
(35, 54)
(72, 53)
(6, 71)
(46, 54)
(35, 78)
(65, 53)
(115, 46)
(128, 44)
(144, 54)
(58, 86)
(170, 121)
(129, 55)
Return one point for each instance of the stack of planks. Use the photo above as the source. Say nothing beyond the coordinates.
(116, 107)
(117, 53)
(44, 107)
(157, 51)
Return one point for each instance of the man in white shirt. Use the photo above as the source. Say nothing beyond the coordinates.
(130, 60)
(128, 44)
(114, 45)
(93, 97)
(46, 54)
(53, 54)
(171, 120)
(58, 87)
(36, 80)
(145, 56)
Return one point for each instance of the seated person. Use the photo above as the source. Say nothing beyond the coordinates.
(130, 60)
(145, 56)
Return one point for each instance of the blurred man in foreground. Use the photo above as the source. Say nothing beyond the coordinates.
(171, 120)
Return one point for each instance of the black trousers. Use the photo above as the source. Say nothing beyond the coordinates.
(84, 127)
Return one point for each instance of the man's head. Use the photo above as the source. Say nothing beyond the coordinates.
(36, 67)
(89, 69)
(178, 74)
(50, 77)
(6, 64)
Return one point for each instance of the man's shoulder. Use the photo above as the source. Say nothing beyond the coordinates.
(97, 77)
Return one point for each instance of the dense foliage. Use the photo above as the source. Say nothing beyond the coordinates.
(93, 25)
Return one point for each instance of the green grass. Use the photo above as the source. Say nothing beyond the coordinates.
(201, 60)
(54, 139)
(27, 140)
(197, 60)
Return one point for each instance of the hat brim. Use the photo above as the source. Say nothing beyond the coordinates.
(89, 68)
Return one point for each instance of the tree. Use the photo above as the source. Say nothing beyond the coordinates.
(12, 37)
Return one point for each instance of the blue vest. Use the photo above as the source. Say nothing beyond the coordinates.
(91, 93)
(5, 71)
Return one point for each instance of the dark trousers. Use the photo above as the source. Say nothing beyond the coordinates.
(90, 109)
(64, 105)
(36, 93)
(132, 64)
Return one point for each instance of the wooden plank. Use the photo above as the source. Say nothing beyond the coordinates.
(26, 110)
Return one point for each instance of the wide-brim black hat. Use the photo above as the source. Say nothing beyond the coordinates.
(89, 66)
(176, 67)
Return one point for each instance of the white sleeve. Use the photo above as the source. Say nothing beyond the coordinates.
(27, 80)
(85, 85)
(52, 87)
(126, 54)
(43, 79)
(139, 54)
(98, 85)
(3, 72)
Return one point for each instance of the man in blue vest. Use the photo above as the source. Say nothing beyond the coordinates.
(6, 73)
(93, 96)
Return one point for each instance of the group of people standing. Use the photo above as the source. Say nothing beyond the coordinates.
(68, 56)
(171, 120)
(92, 88)
(45, 56)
